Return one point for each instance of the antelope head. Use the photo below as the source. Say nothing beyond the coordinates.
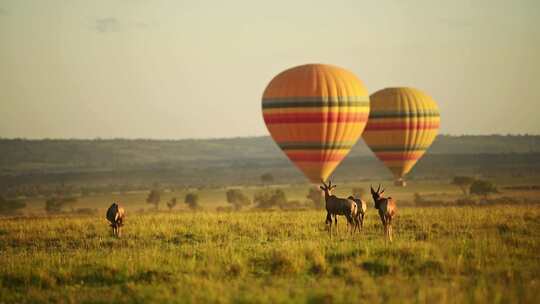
(376, 194)
(327, 188)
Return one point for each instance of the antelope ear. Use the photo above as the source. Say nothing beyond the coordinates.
(332, 187)
(321, 188)
(372, 191)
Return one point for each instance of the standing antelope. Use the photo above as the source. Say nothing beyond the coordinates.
(387, 210)
(337, 206)
(361, 209)
(115, 215)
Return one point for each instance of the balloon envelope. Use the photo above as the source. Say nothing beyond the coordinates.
(315, 113)
(402, 124)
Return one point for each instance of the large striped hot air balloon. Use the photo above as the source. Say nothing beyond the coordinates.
(315, 113)
(402, 124)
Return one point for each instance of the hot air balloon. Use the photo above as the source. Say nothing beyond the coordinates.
(315, 113)
(402, 124)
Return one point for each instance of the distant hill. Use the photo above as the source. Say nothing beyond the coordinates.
(18, 156)
(43, 166)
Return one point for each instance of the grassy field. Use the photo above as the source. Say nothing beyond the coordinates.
(441, 255)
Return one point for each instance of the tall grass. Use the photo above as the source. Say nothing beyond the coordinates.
(443, 255)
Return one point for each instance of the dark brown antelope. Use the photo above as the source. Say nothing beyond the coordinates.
(387, 210)
(115, 215)
(337, 206)
(361, 209)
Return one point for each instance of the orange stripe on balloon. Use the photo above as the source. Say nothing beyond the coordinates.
(315, 157)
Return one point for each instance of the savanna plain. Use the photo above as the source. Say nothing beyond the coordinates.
(452, 254)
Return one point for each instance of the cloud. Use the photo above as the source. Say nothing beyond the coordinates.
(107, 25)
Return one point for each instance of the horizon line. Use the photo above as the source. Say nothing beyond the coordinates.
(225, 138)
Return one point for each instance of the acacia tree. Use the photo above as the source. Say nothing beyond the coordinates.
(154, 197)
(483, 188)
(192, 200)
(463, 182)
(237, 198)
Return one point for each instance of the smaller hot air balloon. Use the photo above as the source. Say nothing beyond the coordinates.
(403, 122)
(315, 113)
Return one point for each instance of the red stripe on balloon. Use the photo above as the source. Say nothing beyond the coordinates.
(329, 117)
(378, 126)
(315, 157)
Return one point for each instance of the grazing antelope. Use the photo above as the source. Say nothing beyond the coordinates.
(337, 206)
(115, 215)
(387, 210)
(361, 209)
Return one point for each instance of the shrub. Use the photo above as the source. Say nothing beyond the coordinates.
(269, 198)
(154, 197)
(192, 200)
(172, 203)
(237, 199)
(483, 188)
(463, 182)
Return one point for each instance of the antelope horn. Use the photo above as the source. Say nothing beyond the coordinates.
(379, 188)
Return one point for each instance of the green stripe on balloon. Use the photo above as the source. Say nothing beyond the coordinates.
(314, 102)
(311, 104)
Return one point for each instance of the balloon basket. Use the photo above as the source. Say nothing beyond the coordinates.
(400, 182)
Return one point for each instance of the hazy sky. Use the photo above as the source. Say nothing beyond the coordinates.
(190, 69)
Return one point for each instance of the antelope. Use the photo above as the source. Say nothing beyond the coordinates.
(115, 215)
(361, 208)
(387, 210)
(337, 206)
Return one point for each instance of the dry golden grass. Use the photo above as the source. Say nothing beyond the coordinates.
(442, 255)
